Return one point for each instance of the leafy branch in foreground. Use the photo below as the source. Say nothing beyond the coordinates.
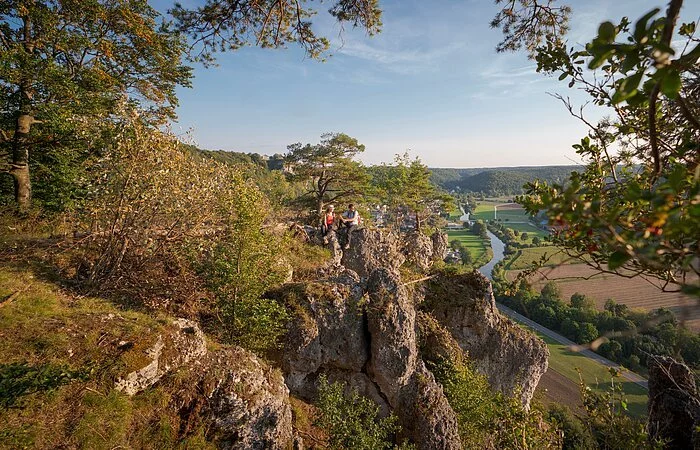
(635, 208)
(219, 26)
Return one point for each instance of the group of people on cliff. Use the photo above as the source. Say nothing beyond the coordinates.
(349, 219)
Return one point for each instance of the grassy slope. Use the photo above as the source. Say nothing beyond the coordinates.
(42, 327)
(475, 245)
(595, 375)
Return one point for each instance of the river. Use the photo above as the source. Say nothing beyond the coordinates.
(498, 249)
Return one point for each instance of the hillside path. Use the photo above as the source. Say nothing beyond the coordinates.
(625, 373)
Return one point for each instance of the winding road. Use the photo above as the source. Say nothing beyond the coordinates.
(498, 250)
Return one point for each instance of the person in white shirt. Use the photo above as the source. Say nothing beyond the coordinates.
(351, 218)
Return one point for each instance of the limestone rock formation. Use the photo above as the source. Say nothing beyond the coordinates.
(512, 359)
(247, 401)
(244, 400)
(182, 343)
(372, 249)
(328, 330)
(440, 244)
(418, 249)
(396, 367)
(360, 325)
(674, 404)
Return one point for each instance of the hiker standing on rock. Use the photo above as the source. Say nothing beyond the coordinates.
(327, 222)
(351, 219)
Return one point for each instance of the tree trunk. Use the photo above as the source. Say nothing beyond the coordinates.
(417, 222)
(19, 169)
(20, 162)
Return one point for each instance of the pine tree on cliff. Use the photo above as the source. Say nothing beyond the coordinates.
(329, 168)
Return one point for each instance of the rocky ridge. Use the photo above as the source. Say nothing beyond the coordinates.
(360, 324)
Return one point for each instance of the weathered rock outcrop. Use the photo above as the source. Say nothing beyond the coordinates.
(418, 249)
(372, 249)
(674, 405)
(328, 331)
(182, 342)
(512, 359)
(244, 401)
(360, 325)
(440, 244)
(396, 367)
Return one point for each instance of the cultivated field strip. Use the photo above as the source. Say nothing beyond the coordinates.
(633, 292)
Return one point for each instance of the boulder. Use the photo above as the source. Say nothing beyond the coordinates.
(512, 359)
(182, 342)
(674, 405)
(243, 400)
(440, 245)
(247, 401)
(372, 249)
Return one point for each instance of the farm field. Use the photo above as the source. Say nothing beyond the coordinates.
(633, 292)
(567, 363)
(507, 212)
(529, 256)
(475, 245)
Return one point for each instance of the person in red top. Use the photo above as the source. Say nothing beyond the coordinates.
(327, 222)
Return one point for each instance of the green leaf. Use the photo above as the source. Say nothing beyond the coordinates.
(607, 31)
(671, 84)
(640, 27)
(563, 75)
(617, 259)
(600, 59)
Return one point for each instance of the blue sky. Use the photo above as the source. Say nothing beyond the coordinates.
(431, 82)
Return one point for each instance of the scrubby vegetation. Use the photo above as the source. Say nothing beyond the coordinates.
(353, 421)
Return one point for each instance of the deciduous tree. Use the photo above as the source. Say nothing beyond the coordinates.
(635, 208)
(64, 61)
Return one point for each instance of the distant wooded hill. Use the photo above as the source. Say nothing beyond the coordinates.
(274, 162)
(499, 180)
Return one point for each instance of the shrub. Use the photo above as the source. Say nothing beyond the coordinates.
(576, 435)
(352, 420)
(608, 420)
(488, 419)
(168, 227)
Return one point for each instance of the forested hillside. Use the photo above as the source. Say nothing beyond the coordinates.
(498, 180)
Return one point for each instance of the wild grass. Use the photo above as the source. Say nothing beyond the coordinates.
(570, 364)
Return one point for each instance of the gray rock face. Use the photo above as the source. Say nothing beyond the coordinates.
(328, 331)
(391, 319)
(360, 326)
(512, 359)
(182, 343)
(418, 249)
(417, 399)
(674, 405)
(334, 246)
(372, 249)
(247, 402)
(440, 244)
(369, 344)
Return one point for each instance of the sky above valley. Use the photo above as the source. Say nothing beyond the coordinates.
(430, 82)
